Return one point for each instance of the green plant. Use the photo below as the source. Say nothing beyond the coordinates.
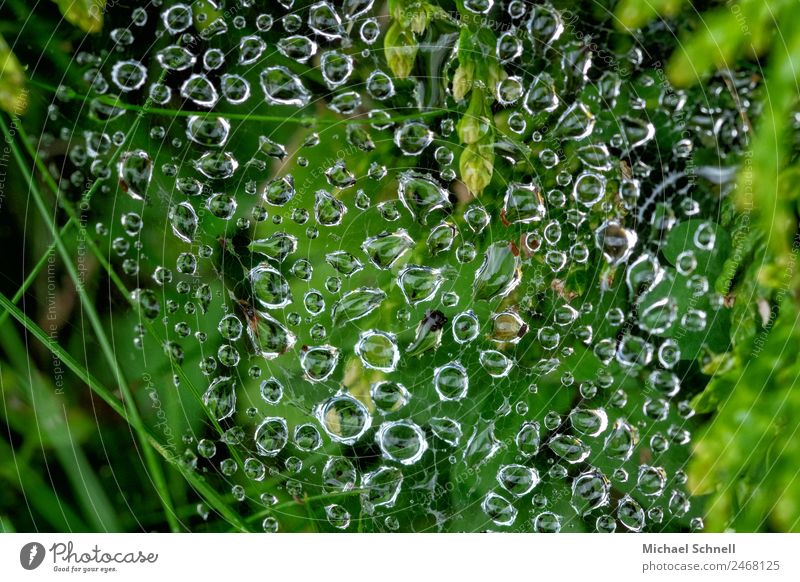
(468, 266)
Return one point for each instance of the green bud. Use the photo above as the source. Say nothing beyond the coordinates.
(397, 9)
(471, 129)
(401, 50)
(419, 19)
(496, 74)
(477, 164)
(474, 124)
(13, 96)
(462, 80)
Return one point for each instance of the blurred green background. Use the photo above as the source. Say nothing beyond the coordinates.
(102, 414)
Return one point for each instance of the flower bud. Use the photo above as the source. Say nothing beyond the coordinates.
(477, 165)
(474, 124)
(401, 50)
(462, 80)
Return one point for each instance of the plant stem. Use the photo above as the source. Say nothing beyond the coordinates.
(136, 421)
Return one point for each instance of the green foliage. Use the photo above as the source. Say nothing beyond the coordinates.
(743, 458)
(746, 459)
(13, 96)
(187, 411)
(85, 14)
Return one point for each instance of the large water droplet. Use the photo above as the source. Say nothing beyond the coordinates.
(356, 304)
(590, 490)
(135, 170)
(183, 220)
(499, 273)
(220, 398)
(344, 418)
(271, 436)
(270, 287)
(419, 284)
(422, 195)
(384, 249)
(378, 350)
(282, 87)
(518, 480)
(269, 337)
(451, 381)
(523, 203)
(319, 362)
(401, 441)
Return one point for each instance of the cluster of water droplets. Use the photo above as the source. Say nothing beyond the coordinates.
(370, 332)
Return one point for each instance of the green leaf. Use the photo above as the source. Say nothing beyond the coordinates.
(633, 14)
(706, 241)
(747, 457)
(85, 14)
(13, 95)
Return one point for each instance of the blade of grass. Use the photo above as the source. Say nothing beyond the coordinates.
(54, 423)
(203, 489)
(37, 268)
(120, 285)
(136, 423)
(39, 495)
(6, 526)
(253, 117)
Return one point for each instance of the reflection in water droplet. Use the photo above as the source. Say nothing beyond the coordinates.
(401, 441)
(271, 436)
(451, 381)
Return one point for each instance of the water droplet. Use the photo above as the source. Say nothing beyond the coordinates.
(499, 509)
(576, 123)
(270, 288)
(446, 429)
(419, 284)
(590, 422)
(220, 398)
(621, 441)
(523, 203)
(307, 437)
(422, 195)
(282, 87)
(343, 418)
(378, 350)
(451, 381)
(271, 436)
(389, 396)
(382, 487)
(386, 248)
(499, 273)
(401, 441)
(570, 448)
(413, 137)
(269, 337)
(336, 68)
(356, 304)
(135, 169)
(337, 516)
(518, 480)
(615, 241)
(297, 47)
(319, 362)
(277, 246)
(329, 211)
(590, 490)
(183, 220)
(200, 90)
(630, 514)
(495, 363)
